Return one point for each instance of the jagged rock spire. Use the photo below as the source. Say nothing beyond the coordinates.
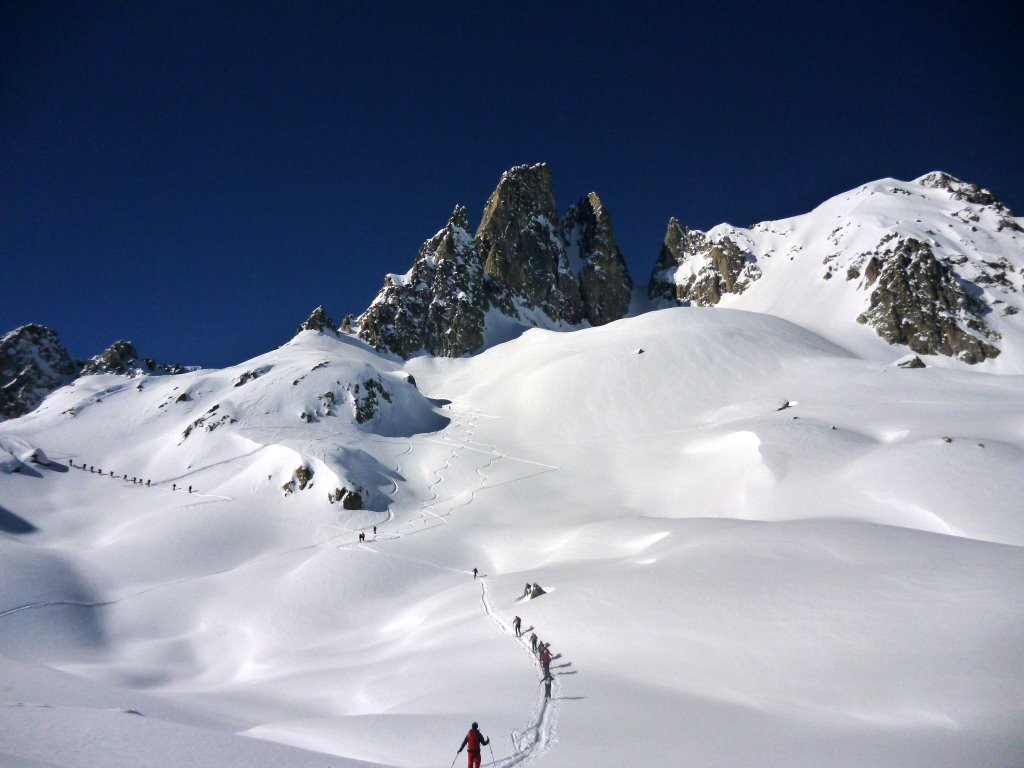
(606, 288)
(522, 262)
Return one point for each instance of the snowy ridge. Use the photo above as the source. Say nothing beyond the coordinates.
(819, 269)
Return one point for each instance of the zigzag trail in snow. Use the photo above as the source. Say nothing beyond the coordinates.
(538, 736)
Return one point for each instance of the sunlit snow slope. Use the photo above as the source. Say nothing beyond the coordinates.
(758, 549)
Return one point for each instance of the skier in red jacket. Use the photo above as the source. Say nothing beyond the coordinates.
(472, 744)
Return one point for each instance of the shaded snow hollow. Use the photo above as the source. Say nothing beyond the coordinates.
(759, 549)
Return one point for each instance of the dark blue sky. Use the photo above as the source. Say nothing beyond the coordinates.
(197, 177)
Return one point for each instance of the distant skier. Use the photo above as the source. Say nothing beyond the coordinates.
(362, 537)
(472, 744)
(474, 573)
(375, 530)
(533, 643)
(547, 685)
(545, 658)
(517, 625)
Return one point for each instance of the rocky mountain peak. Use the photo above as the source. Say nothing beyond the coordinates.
(522, 262)
(439, 305)
(959, 190)
(122, 359)
(33, 363)
(318, 321)
(459, 219)
(523, 192)
(519, 245)
(605, 286)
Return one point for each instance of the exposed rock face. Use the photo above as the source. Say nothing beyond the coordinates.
(33, 363)
(522, 262)
(696, 269)
(439, 306)
(318, 321)
(605, 285)
(121, 358)
(918, 301)
(960, 190)
(521, 248)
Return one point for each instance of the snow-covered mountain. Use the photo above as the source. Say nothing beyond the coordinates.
(757, 549)
(34, 363)
(763, 538)
(934, 265)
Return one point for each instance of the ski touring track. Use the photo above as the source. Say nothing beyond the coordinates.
(539, 734)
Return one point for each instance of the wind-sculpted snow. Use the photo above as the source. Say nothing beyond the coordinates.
(756, 546)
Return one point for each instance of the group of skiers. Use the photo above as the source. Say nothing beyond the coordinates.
(133, 480)
(541, 650)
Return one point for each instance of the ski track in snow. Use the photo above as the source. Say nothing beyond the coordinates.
(538, 736)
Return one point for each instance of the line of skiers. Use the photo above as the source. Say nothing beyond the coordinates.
(133, 480)
(541, 650)
(474, 738)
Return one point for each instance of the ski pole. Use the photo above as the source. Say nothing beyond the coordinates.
(492, 753)
(455, 758)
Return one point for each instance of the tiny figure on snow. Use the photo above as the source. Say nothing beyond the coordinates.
(475, 572)
(533, 643)
(375, 531)
(472, 744)
(362, 536)
(517, 625)
(545, 658)
(190, 489)
(547, 685)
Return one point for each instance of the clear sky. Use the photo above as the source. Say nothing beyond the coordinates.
(197, 177)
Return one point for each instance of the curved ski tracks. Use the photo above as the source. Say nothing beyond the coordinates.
(538, 736)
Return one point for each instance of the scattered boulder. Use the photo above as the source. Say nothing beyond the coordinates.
(349, 499)
(914, 362)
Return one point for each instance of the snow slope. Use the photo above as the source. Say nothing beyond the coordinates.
(811, 268)
(758, 548)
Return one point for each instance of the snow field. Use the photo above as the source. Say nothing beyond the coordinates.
(727, 584)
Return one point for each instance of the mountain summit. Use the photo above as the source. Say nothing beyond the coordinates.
(523, 267)
(934, 265)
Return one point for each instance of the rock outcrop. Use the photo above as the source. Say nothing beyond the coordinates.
(695, 268)
(522, 262)
(439, 305)
(606, 289)
(121, 358)
(318, 321)
(33, 363)
(918, 301)
(520, 244)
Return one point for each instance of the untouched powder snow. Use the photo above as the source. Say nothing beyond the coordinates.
(758, 548)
